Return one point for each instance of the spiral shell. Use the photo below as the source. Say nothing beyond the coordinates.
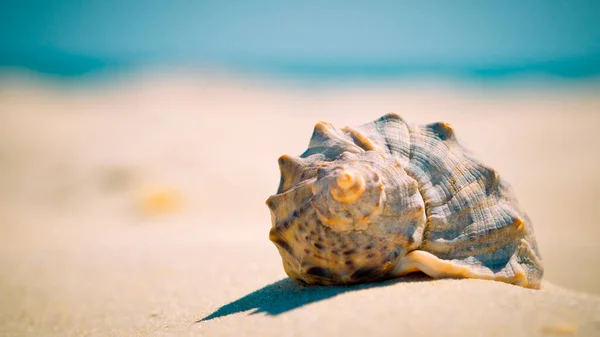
(388, 198)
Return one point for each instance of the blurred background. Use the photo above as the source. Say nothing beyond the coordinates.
(385, 39)
(134, 133)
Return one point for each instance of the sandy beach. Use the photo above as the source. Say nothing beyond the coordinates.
(135, 207)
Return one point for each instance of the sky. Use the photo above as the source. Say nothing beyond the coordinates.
(481, 38)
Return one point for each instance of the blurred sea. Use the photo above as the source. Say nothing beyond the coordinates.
(339, 39)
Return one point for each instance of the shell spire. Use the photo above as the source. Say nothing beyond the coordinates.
(348, 186)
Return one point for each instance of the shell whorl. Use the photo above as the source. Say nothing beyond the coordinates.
(347, 187)
(347, 196)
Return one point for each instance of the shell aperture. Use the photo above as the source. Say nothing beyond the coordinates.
(388, 198)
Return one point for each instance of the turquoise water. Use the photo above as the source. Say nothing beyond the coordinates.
(487, 39)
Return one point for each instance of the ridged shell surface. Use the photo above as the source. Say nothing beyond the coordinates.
(388, 198)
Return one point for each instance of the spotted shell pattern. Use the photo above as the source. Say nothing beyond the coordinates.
(388, 198)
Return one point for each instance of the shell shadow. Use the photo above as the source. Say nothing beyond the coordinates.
(287, 294)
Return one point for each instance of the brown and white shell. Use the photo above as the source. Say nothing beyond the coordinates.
(389, 198)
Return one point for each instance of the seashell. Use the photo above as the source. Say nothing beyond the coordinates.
(388, 198)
